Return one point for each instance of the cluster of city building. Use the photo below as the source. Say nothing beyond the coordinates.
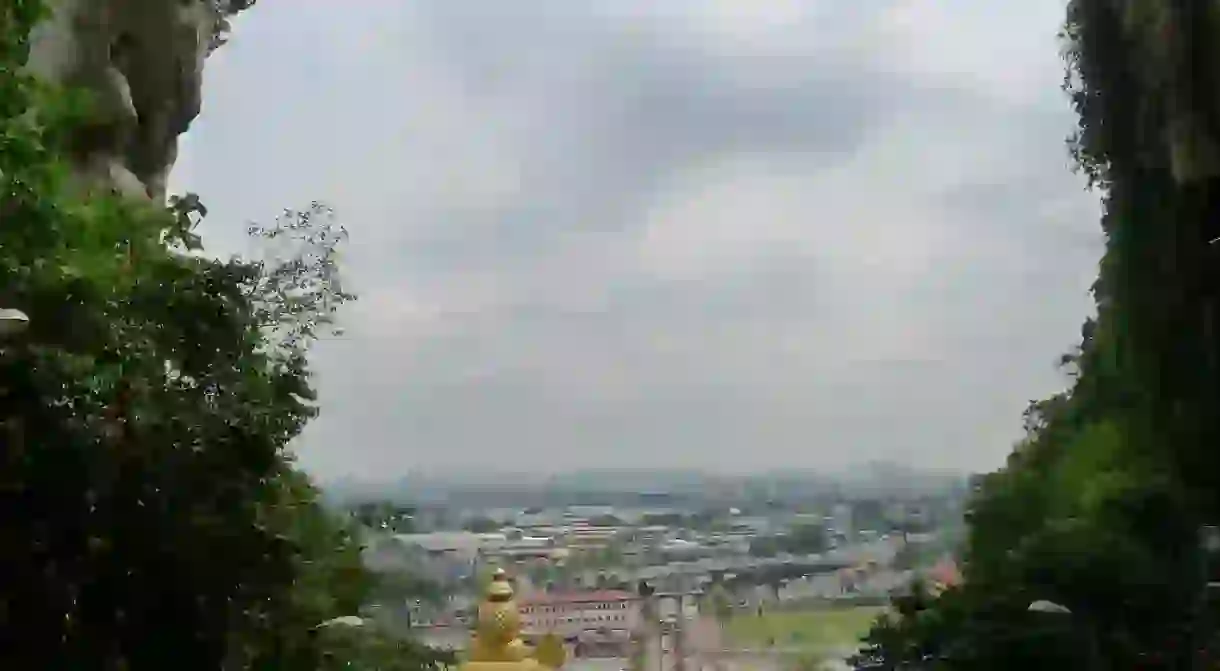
(578, 570)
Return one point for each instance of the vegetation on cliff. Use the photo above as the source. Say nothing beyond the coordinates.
(152, 517)
(1100, 507)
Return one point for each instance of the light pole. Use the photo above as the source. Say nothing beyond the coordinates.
(12, 322)
(1209, 546)
(1042, 606)
(1052, 608)
(679, 645)
(644, 630)
(341, 621)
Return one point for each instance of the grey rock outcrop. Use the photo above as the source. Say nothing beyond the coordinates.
(142, 61)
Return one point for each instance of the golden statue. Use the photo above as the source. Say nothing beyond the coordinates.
(496, 645)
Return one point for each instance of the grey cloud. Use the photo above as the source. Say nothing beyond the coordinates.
(502, 172)
(612, 104)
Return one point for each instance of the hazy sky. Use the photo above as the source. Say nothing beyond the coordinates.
(732, 234)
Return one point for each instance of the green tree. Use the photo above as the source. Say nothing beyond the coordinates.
(801, 539)
(608, 557)
(385, 515)
(907, 557)
(805, 539)
(369, 647)
(606, 521)
(720, 604)
(764, 547)
(663, 519)
(152, 517)
(1098, 508)
(542, 574)
(870, 514)
(329, 580)
(481, 525)
(142, 421)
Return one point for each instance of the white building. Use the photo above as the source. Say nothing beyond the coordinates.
(582, 535)
(571, 614)
(586, 512)
(462, 543)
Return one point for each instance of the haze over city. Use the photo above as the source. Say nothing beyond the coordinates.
(590, 234)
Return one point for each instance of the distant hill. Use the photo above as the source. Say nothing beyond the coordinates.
(624, 486)
(888, 478)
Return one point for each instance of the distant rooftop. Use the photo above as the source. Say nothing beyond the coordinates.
(946, 573)
(452, 540)
(593, 596)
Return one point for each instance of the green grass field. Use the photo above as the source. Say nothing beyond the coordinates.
(813, 628)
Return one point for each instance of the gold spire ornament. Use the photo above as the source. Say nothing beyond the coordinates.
(497, 645)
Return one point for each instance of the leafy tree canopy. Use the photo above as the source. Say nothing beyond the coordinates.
(152, 516)
(1098, 508)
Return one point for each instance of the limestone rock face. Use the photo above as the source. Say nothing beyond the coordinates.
(1170, 75)
(142, 63)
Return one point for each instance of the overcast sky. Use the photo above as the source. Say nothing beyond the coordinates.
(727, 234)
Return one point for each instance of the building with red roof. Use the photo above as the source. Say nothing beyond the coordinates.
(944, 574)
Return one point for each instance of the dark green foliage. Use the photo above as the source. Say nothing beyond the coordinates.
(140, 427)
(802, 539)
(358, 648)
(481, 525)
(1098, 508)
(224, 10)
(385, 515)
(151, 518)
